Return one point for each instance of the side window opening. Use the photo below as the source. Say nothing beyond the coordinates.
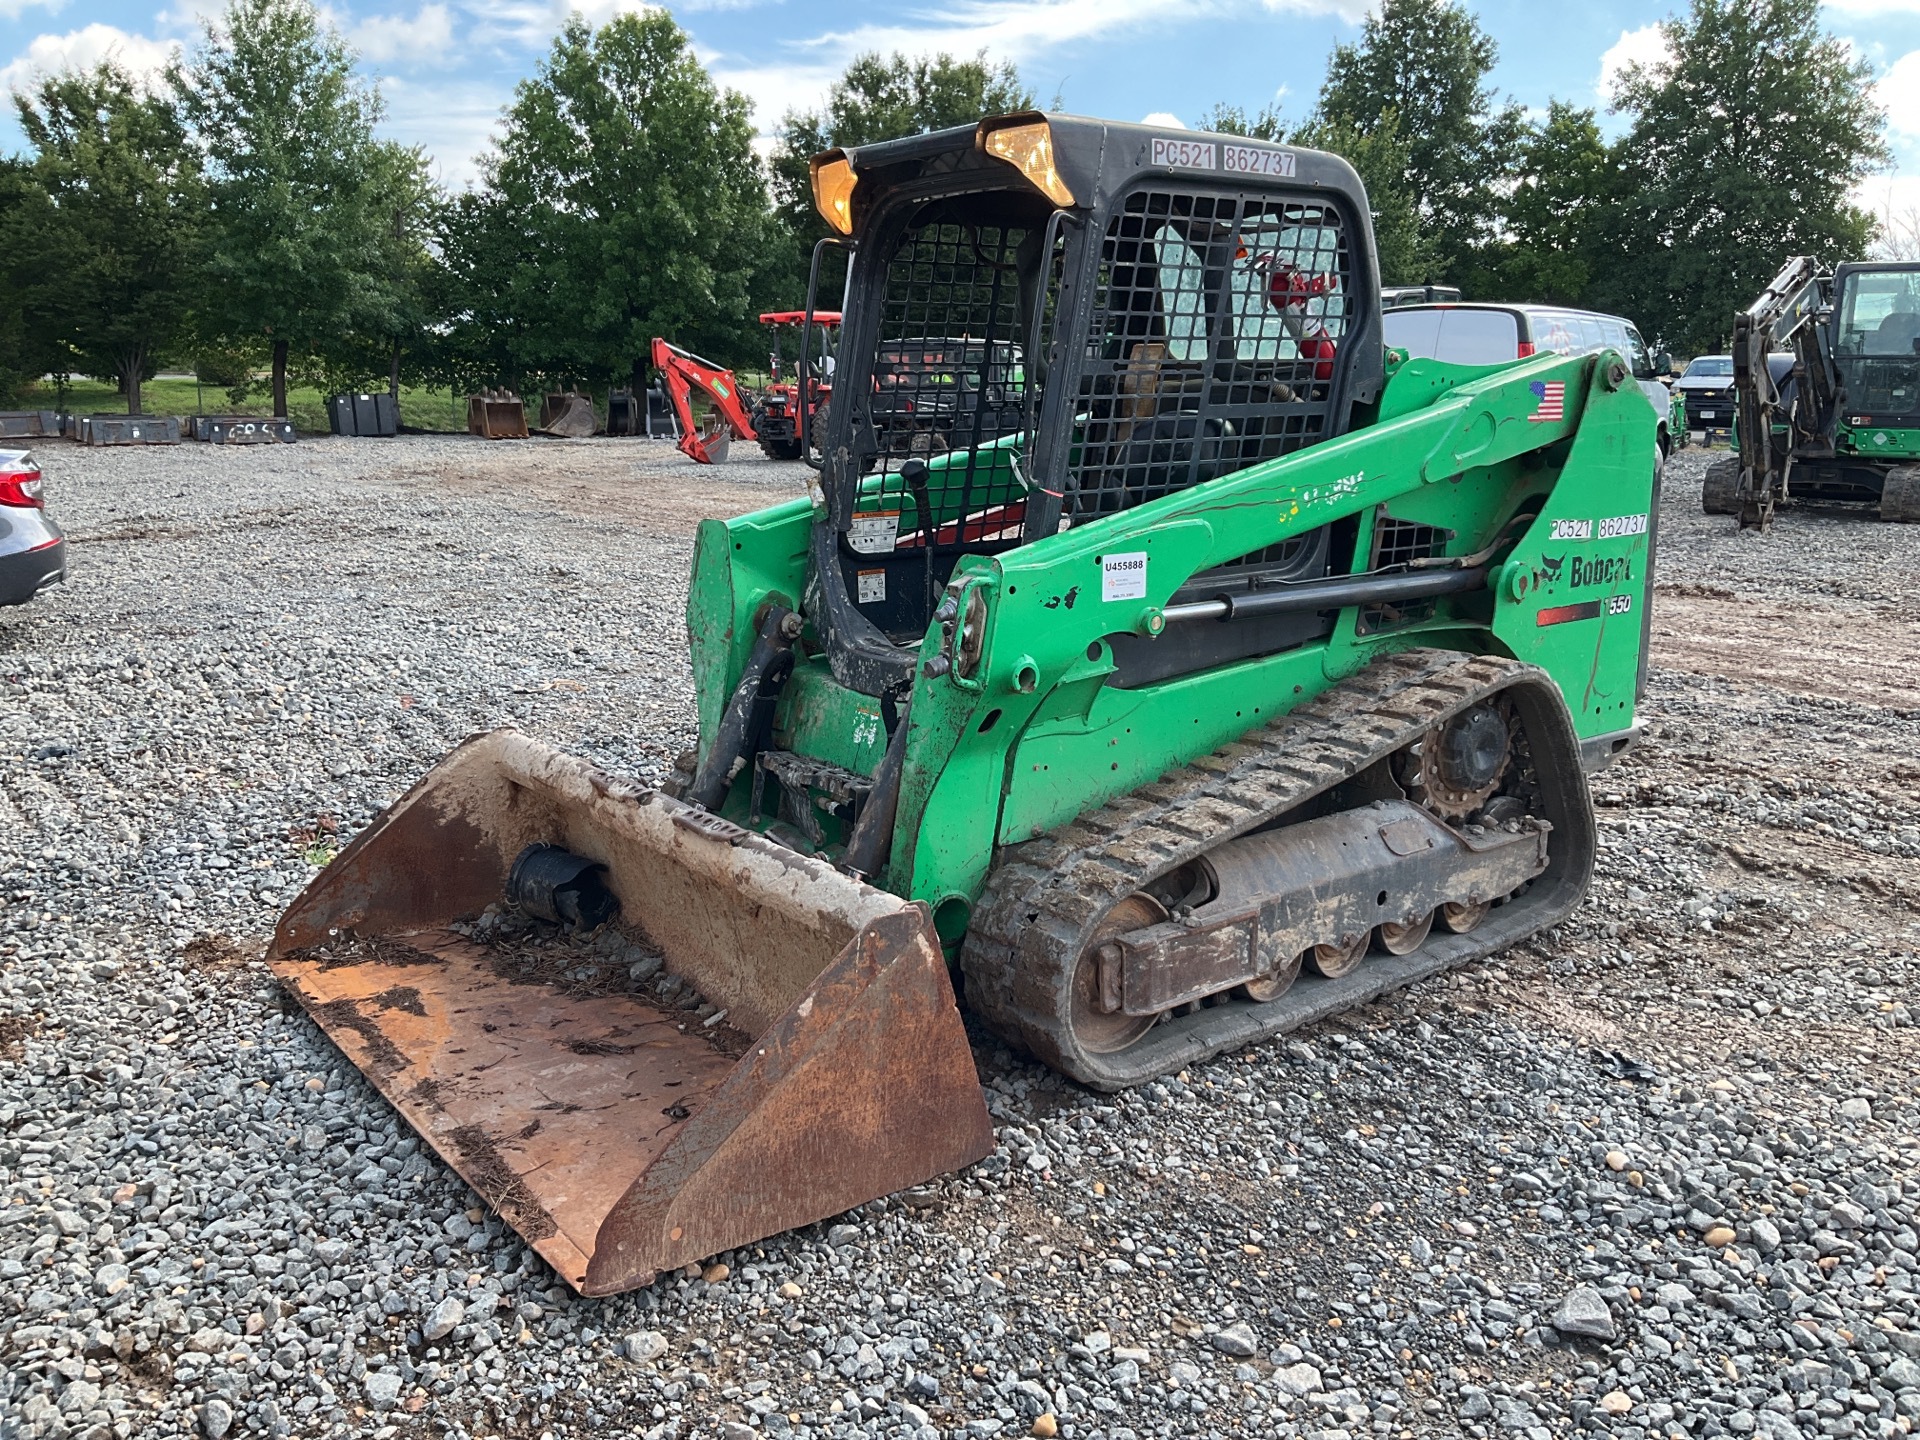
(1183, 296)
(1638, 355)
(947, 385)
(1557, 332)
(1217, 327)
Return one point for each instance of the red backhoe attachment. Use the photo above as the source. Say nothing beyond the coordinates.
(683, 371)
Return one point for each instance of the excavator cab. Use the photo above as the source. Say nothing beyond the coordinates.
(1877, 339)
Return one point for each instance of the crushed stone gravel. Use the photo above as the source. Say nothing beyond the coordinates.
(1653, 1174)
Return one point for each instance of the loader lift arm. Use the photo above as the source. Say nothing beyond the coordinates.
(684, 372)
(1789, 315)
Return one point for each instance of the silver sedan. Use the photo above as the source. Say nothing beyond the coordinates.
(33, 551)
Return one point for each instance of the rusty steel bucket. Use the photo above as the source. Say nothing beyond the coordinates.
(620, 1135)
(497, 415)
(568, 415)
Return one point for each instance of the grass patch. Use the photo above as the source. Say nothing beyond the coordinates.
(420, 408)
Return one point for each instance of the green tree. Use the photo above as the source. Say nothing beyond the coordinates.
(297, 245)
(26, 351)
(100, 234)
(623, 201)
(883, 98)
(1268, 124)
(396, 318)
(1743, 150)
(1378, 156)
(1562, 237)
(1421, 66)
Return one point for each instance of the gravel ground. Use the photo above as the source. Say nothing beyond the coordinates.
(1653, 1174)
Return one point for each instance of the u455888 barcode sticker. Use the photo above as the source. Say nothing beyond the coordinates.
(1124, 577)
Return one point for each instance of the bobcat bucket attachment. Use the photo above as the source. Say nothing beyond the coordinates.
(497, 415)
(568, 415)
(618, 1133)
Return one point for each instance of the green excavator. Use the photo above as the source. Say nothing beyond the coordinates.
(1826, 394)
(1156, 664)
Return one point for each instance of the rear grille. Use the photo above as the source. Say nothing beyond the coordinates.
(1396, 543)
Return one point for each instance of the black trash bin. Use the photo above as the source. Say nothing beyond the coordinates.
(363, 413)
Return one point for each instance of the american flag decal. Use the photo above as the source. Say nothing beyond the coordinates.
(1549, 400)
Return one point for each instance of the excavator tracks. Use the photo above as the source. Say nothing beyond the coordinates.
(1046, 900)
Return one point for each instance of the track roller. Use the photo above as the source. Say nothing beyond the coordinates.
(1403, 937)
(1335, 958)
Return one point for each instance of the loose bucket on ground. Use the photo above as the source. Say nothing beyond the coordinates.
(618, 1137)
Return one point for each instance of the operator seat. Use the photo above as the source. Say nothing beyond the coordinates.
(1897, 332)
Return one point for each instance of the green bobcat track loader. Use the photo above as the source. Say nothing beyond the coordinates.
(1153, 653)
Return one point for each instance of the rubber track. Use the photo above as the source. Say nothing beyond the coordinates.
(1720, 488)
(1900, 495)
(1044, 898)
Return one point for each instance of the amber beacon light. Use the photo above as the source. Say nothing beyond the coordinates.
(1029, 149)
(833, 182)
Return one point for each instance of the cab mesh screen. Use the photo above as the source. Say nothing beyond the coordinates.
(947, 377)
(1216, 328)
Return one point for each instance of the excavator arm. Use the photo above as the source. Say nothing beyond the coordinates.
(684, 372)
(1786, 316)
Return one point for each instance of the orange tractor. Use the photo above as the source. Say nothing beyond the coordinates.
(783, 410)
(777, 417)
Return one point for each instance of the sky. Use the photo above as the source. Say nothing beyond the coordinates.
(446, 67)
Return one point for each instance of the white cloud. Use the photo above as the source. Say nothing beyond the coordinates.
(1645, 46)
(82, 50)
(1016, 30)
(1899, 91)
(1164, 120)
(775, 89)
(1895, 201)
(453, 121)
(424, 40)
(13, 9)
(534, 23)
(189, 15)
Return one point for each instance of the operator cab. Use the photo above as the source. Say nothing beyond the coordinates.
(1053, 320)
(1876, 343)
(825, 329)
